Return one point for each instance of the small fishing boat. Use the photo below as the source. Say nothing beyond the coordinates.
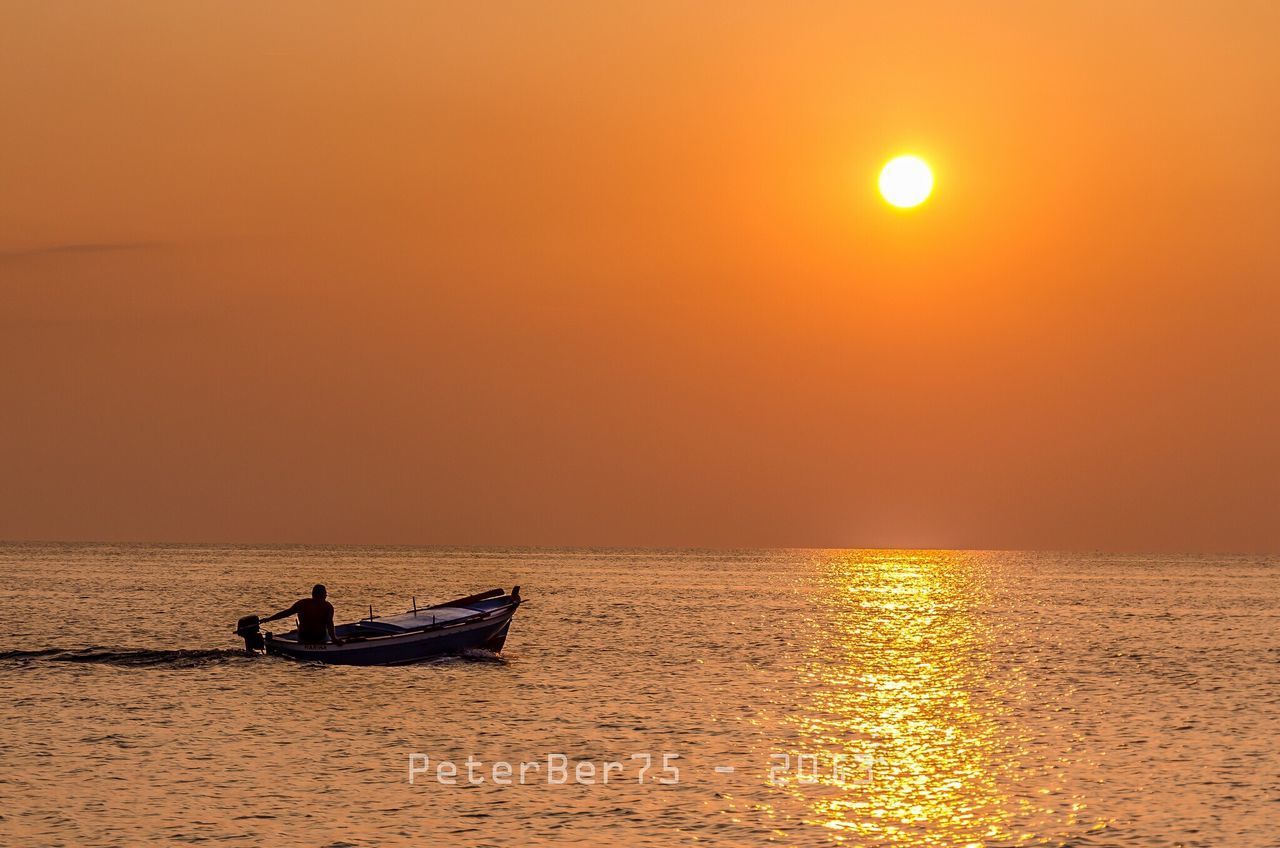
(475, 622)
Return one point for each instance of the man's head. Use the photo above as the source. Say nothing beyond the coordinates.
(318, 591)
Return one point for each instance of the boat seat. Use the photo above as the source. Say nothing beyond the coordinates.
(378, 628)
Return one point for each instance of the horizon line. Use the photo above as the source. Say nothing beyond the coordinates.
(588, 547)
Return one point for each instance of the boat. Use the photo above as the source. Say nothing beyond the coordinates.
(478, 621)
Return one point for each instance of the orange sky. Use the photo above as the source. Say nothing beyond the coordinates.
(559, 273)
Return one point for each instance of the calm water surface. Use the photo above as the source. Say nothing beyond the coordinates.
(873, 698)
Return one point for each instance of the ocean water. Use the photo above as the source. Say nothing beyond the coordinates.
(869, 698)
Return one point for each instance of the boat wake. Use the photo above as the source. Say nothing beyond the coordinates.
(479, 655)
(139, 658)
(124, 657)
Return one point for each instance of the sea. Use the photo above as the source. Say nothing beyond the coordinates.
(647, 698)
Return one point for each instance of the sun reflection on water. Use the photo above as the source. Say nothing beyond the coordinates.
(891, 673)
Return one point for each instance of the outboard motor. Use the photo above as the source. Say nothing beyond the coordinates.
(248, 629)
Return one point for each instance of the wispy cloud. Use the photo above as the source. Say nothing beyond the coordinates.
(77, 249)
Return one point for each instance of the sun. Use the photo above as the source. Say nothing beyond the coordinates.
(906, 181)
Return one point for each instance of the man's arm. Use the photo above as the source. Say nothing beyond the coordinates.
(333, 637)
(290, 611)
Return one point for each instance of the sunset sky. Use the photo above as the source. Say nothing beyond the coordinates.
(594, 274)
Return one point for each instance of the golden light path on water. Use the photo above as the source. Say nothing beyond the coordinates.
(899, 677)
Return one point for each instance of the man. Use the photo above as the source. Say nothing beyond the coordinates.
(315, 617)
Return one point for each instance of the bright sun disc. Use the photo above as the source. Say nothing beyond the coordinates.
(906, 181)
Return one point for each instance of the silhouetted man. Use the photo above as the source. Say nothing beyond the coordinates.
(315, 617)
